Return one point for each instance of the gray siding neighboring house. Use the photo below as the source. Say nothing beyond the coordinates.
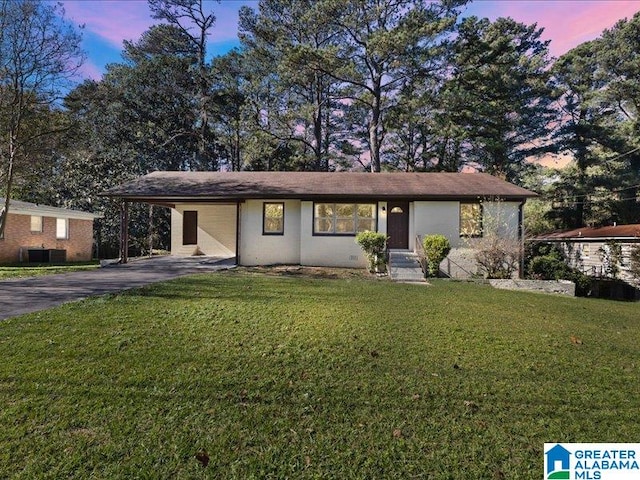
(311, 218)
(585, 248)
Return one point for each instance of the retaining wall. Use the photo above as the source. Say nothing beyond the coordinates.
(560, 287)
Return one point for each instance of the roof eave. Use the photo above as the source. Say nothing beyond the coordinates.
(585, 239)
(305, 197)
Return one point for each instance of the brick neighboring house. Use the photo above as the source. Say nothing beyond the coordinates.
(46, 231)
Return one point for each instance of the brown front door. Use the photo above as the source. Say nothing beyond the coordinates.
(398, 224)
(190, 227)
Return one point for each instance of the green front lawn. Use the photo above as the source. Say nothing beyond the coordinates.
(35, 270)
(270, 377)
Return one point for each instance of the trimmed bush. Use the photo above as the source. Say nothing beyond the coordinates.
(374, 245)
(436, 248)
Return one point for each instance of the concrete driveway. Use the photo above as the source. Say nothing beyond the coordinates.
(26, 295)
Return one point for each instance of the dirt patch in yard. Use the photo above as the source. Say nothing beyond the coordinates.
(310, 272)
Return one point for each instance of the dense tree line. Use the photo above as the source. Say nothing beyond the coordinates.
(322, 85)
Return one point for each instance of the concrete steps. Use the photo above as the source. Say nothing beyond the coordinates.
(405, 267)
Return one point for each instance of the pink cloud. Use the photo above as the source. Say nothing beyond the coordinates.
(90, 70)
(589, 23)
(566, 23)
(117, 20)
(113, 21)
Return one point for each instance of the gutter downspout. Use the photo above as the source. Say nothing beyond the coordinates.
(521, 234)
(124, 232)
(238, 208)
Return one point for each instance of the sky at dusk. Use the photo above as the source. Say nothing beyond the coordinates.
(108, 23)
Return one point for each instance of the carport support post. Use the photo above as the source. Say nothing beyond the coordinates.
(124, 231)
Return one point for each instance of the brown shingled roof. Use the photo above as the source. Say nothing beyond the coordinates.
(216, 186)
(585, 233)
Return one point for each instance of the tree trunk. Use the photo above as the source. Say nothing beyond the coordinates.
(374, 123)
(124, 231)
(4, 212)
(374, 140)
(151, 230)
(318, 132)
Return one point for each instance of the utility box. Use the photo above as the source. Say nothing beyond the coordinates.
(46, 255)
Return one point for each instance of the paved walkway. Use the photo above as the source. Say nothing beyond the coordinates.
(26, 295)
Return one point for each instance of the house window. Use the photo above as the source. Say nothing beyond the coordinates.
(273, 218)
(470, 220)
(36, 224)
(62, 228)
(343, 218)
(586, 250)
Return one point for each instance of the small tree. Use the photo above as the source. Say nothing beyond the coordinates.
(39, 54)
(498, 257)
(374, 246)
(436, 249)
(498, 249)
(634, 262)
(611, 255)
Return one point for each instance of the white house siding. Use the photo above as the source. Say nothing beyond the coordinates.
(382, 217)
(259, 249)
(587, 257)
(501, 216)
(326, 250)
(437, 218)
(443, 217)
(216, 230)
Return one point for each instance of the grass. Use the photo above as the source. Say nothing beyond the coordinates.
(36, 270)
(261, 376)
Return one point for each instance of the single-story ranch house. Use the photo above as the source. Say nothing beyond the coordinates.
(41, 233)
(585, 248)
(311, 218)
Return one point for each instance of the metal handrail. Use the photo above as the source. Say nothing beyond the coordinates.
(418, 249)
(459, 266)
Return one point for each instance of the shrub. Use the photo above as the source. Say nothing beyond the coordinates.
(582, 281)
(611, 255)
(634, 262)
(374, 245)
(548, 267)
(497, 257)
(545, 268)
(551, 267)
(436, 249)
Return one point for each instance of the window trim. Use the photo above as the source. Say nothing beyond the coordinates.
(480, 222)
(41, 223)
(264, 219)
(66, 228)
(374, 204)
